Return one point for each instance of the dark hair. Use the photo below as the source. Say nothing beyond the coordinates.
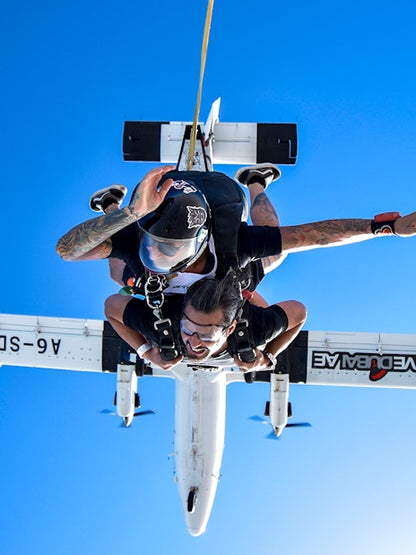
(208, 294)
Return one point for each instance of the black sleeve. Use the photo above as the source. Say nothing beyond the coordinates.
(255, 274)
(139, 316)
(255, 241)
(125, 246)
(264, 324)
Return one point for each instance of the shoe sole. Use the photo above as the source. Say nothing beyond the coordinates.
(257, 167)
(94, 200)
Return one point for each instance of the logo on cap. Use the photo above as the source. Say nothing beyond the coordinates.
(184, 186)
(196, 216)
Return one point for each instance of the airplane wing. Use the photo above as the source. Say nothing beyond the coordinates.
(315, 357)
(350, 359)
(60, 343)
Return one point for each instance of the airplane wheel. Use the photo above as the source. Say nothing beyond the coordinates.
(289, 410)
(267, 409)
(136, 400)
(115, 399)
(191, 500)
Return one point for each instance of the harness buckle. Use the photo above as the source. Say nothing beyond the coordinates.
(244, 349)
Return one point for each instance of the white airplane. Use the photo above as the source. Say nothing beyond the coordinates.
(317, 358)
(321, 358)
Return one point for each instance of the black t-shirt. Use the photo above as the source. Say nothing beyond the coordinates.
(253, 243)
(264, 323)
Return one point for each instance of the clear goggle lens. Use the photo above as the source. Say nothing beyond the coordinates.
(207, 337)
(164, 254)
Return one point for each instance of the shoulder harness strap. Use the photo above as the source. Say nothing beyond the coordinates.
(245, 350)
(154, 293)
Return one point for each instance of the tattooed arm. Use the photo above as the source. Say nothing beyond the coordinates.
(91, 240)
(262, 211)
(333, 233)
(327, 233)
(339, 232)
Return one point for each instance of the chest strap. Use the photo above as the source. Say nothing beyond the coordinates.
(155, 298)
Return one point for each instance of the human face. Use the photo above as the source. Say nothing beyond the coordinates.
(204, 334)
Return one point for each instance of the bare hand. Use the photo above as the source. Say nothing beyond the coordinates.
(154, 356)
(261, 362)
(147, 196)
(405, 226)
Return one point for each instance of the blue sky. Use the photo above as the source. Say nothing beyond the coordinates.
(73, 481)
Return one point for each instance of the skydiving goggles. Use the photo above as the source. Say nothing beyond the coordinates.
(162, 255)
(169, 249)
(207, 337)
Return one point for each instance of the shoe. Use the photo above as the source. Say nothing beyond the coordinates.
(267, 173)
(116, 193)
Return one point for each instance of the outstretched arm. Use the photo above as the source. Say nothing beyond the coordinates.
(91, 240)
(331, 233)
(327, 233)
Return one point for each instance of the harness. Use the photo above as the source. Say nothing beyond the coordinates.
(153, 289)
(228, 206)
(245, 350)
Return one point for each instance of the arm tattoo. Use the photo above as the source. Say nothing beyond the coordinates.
(325, 234)
(265, 207)
(92, 239)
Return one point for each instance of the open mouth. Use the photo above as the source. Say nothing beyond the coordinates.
(197, 351)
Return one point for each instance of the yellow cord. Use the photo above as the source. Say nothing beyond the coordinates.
(201, 78)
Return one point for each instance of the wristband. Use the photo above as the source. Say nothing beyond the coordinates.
(383, 224)
(143, 349)
(247, 295)
(271, 357)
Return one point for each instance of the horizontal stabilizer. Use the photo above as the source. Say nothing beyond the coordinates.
(234, 143)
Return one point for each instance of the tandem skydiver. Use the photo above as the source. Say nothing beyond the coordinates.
(167, 229)
(205, 325)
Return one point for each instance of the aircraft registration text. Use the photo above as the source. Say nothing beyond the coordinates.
(41, 345)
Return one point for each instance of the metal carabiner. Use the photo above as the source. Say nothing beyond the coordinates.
(153, 289)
